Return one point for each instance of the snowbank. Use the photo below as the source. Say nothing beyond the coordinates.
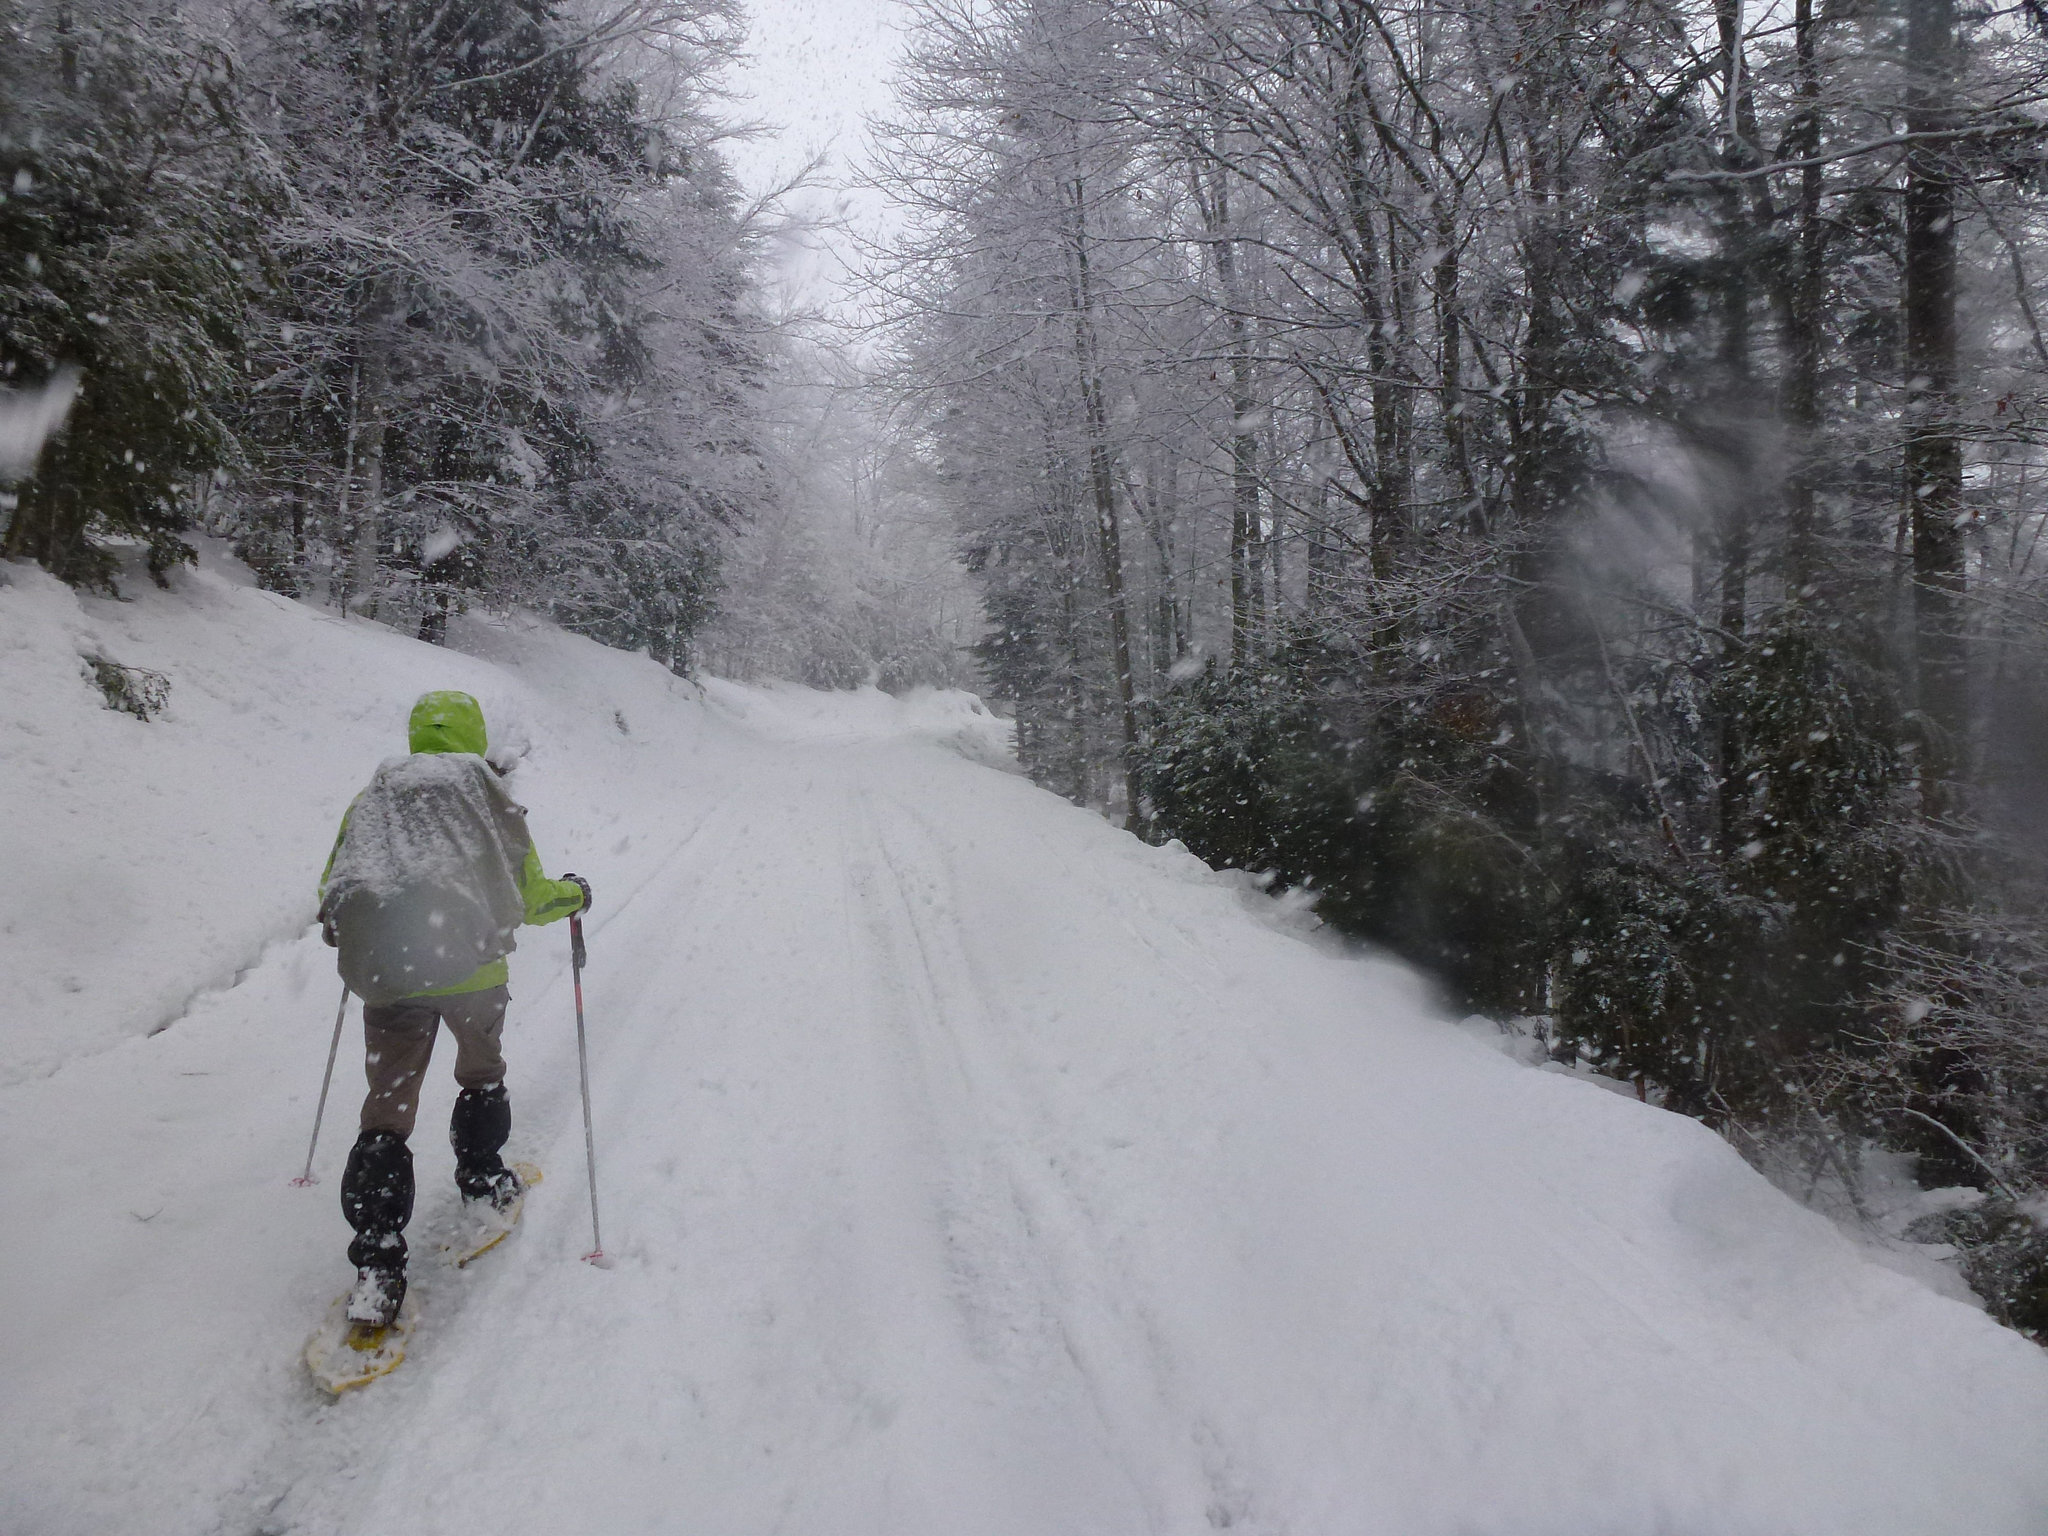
(970, 1167)
(150, 862)
(790, 713)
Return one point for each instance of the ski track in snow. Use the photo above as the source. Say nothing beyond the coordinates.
(968, 1167)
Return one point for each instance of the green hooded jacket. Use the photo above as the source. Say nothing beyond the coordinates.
(454, 722)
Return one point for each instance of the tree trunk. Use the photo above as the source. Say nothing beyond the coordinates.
(1273, 547)
(1530, 428)
(374, 371)
(1102, 483)
(67, 50)
(1244, 490)
(1803, 295)
(344, 529)
(376, 386)
(1451, 374)
(1244, 442)
(1734, 539)
(1157, 509)
(1320, 578)
(1375, 278)
(1933, 450)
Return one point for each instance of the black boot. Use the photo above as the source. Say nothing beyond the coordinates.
(477, 1130)
(373, 1304)
(376, 1197)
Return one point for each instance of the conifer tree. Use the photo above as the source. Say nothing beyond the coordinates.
(131, 195)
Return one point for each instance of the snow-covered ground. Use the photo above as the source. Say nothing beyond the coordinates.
(970, 1167)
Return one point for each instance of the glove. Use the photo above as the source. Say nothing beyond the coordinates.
(327, 931)
(582, 885)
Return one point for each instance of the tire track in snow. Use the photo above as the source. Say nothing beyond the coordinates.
(1117, 1343)
(991, 1298)
(1028, 1254)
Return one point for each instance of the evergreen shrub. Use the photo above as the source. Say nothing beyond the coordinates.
(133, 691)
(1238, 767)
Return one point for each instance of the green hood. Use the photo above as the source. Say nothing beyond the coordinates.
(447, 722)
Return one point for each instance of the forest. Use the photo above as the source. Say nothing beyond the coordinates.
(420, 305)
(1555, 483)
(1559, 483)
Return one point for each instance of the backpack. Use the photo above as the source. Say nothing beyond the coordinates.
(424, 886)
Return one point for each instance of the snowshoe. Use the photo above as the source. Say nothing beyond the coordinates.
(347, 1350)
(489, 1217)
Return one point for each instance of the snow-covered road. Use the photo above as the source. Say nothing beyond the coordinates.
(969, 1168)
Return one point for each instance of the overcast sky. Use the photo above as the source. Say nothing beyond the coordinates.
(816, 69)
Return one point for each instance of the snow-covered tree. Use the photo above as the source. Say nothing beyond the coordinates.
(1594, 446)
(132, 194)
(849, 575)
(513, 360)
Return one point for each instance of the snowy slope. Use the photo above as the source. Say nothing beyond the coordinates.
(971, 1167)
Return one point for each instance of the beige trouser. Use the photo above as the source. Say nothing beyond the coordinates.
(398, 1040)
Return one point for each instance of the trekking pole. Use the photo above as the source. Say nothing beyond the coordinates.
(326, 1079)
(576, 958)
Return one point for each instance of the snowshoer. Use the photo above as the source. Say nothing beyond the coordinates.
(431, 874)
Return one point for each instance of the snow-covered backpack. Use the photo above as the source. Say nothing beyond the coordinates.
(424, 887)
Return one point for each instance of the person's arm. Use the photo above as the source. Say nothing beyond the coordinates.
(547, 901)
(327, 869)
(327, 872)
